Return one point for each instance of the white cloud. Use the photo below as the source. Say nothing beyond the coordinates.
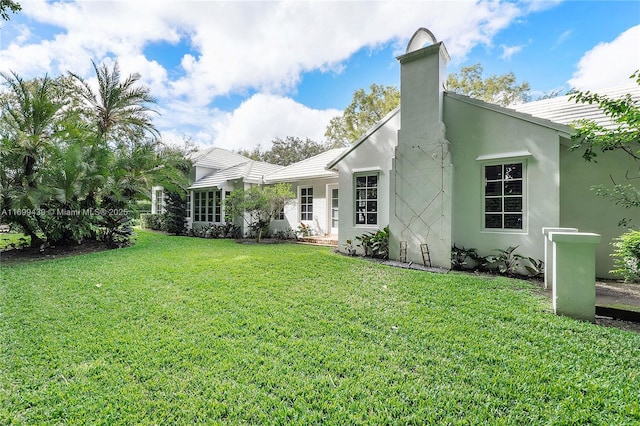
(609, 64)
(262, 118)
(237, 48)
(509, 51)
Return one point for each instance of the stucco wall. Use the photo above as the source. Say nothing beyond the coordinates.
(582, 208)
(373, 154)
(474, 131)
(320, 220)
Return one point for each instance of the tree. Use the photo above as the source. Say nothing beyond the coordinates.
(119, 109)
(30, 116)
(623, 135)
(7, 6)
(365, 110)
(258, 205)
(287, 151)
(499, 89)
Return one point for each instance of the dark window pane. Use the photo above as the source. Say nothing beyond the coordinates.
(372, 181)
(513, 171)
(361, 181)
(493, 221)
(513, 221)
(372, 194)
(372, 218)
(310, 192)
(361, 194)
(372, 206)
(512, 187)
(493, 205)
(513, 204)
(493, 172)
(360, 218)
(493, 189)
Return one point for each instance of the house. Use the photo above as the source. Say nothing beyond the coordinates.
(217, 172)
(446, 169)
(316, 190)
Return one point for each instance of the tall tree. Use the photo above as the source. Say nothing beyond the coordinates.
(119, 110)
(623, 135)
(30, 116)
(287, 151)
(499, 89)
(7, 6)
(365, 109)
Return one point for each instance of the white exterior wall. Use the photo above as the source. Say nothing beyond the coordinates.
(582, 208)
(373, 154)
(475, 131)
(320, 222)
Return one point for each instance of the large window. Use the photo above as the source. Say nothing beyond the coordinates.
(366, 199)
(218, 205)
(159, 201)
(504, 196)
(188, 204)
(306, 203)
(204, 206)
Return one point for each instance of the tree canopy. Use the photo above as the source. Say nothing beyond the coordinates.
(8, 6)
(288, 151)
(365, 110)
(499, 89)
(73, 162)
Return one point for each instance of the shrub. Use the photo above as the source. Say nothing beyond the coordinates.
(175, 216)
(375, 244)
(152, 221)
(505, 262)
(627, 256)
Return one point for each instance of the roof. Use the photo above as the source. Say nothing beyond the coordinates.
(564, 110)
(311, 168)
(364, 137)
(250, 171)
(217, 158)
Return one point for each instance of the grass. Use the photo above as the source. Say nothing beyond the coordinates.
(179, 330)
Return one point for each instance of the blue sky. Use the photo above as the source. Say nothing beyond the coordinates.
(239, 74)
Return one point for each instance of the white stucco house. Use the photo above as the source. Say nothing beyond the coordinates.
(216, 172)
(444, 168)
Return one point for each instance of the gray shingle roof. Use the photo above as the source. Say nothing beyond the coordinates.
(250, 171)
(217, 158)
(311, 168)
(565, 111)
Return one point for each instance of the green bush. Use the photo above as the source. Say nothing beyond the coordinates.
(152, 221)
(627, 256)
(375, 244)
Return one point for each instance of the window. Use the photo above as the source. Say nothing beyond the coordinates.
(306, 203)
(504, 196)
(203, 206)
(279, 215)
(366, 199)
(159, 201)
(188, 204)
(218, 207)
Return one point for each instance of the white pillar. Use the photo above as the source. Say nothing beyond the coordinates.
(574, 274)
(548, 250)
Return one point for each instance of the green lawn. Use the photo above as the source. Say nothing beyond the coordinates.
(180, 330)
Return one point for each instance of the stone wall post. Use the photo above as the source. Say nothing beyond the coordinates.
(574, 274)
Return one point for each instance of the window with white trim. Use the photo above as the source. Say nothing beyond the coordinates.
(366, 199)
(306, 203)
(188, 204)
(203, 206)
(504, 196)
(218, 205)
(159, 201)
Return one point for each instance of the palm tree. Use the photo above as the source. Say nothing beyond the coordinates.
(118, 109)
(30, 114)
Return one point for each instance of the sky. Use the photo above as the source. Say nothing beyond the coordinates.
(238, 74)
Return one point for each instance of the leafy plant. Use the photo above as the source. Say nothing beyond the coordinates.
(506, 262)
(627, 255)
(375, 244)
(349, 248)
(304, 230)
(460, 257)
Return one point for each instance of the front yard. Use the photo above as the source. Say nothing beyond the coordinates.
(180, 330)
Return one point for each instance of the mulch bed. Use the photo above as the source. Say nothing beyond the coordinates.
(29, 254)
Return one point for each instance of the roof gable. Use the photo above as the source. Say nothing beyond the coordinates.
(311, 168)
